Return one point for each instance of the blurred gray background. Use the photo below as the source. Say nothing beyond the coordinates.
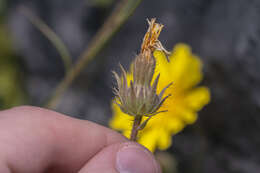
(224, 33)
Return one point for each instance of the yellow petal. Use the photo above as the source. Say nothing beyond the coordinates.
(160, 56)
(175, 125)
(129, 78)
(186, 68)
(189, 117)
(127, 133)
(120, 120)
(185, 114)
(162, 67)
(149, 138)
(197, 98)
(165, 140)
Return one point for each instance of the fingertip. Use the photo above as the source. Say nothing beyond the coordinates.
(128, 157)
(134, 158)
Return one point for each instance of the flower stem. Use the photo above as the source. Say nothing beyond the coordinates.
(121, 13)
(134, 133)
(51, 35)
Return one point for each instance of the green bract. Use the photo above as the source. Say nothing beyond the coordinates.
(140, 98)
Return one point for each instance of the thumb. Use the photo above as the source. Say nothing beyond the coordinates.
(126, 157)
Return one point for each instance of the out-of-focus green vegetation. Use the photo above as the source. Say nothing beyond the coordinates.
(2, 8)
(11, 90)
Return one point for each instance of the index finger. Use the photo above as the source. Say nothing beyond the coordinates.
(35, 140)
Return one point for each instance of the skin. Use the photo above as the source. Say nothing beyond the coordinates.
(36, 140)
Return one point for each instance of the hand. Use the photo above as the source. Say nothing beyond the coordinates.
(36, 140)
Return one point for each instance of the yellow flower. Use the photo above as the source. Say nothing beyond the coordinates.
(185, 71)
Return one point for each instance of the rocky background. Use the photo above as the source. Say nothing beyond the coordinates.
(224, 33)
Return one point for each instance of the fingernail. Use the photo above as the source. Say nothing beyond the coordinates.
(135, 159)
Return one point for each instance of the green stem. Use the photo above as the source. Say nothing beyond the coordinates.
(136, 124)
(51, 35)
(120, 14)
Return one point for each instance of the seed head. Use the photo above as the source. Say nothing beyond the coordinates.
(140, 97)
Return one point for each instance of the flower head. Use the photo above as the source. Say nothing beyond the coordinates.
(185, 70)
